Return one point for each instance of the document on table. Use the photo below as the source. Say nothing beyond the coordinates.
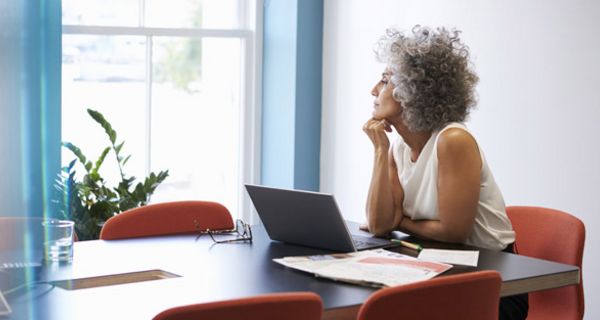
(462, 257)
(371, 267)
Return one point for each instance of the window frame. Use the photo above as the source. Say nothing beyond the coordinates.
(250, 35)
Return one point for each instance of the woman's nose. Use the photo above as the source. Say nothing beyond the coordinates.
(374, 91)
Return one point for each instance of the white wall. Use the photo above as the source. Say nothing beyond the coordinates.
(539, 100)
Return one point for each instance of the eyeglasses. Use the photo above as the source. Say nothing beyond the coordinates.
(242, 230)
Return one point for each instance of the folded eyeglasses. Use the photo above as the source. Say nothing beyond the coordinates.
(242, 232)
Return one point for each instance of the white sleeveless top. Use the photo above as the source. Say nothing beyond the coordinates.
(492, 228)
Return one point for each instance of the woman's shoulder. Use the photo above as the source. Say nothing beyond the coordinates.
(455, 139)
(453, 127)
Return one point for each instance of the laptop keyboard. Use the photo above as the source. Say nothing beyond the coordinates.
(365, 242)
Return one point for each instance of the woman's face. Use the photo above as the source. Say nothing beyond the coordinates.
(384, 106)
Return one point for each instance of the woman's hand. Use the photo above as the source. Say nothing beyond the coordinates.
(376, 130)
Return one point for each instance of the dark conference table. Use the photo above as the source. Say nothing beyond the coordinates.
(187, 269)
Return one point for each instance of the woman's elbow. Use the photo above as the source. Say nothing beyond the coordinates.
(457, 236)
(379, 230)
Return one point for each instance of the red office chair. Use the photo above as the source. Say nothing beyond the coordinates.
(289, 306)
(167, 218)
(473, 295)
(557, 236)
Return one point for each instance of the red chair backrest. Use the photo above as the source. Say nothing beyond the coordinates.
(557, 236)
(167, 218)
(279, 306)
(473, 295)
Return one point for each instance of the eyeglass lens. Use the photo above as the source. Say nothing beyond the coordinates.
(240, 227)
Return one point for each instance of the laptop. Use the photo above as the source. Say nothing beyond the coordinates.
(307, 218)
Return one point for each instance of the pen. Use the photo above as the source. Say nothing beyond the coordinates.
(407, 244)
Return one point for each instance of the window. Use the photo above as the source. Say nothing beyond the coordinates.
(177, 80)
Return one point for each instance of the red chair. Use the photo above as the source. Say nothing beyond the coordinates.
(166, 219)
(278, 306)
(557, 236)
(473, 295)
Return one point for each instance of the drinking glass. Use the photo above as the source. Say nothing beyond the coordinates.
(58, 240)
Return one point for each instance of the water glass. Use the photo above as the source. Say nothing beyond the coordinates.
(58, 240)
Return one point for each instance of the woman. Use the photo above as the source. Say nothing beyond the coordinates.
(433, 181)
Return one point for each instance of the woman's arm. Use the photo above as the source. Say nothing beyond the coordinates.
(459, 170)
(384, 201)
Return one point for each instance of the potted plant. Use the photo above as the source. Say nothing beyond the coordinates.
(89, 201)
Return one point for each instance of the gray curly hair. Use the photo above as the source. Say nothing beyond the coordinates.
(431, 74)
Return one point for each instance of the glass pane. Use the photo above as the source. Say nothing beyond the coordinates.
(210, 14)
(196, 118)
(101, 12)
(104, 73)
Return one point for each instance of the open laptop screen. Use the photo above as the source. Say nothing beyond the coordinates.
(305, 218)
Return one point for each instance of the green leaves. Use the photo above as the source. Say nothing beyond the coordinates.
(79, 155)
(98, 117)
(89, 201)
(100, 160)
(119, 147)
